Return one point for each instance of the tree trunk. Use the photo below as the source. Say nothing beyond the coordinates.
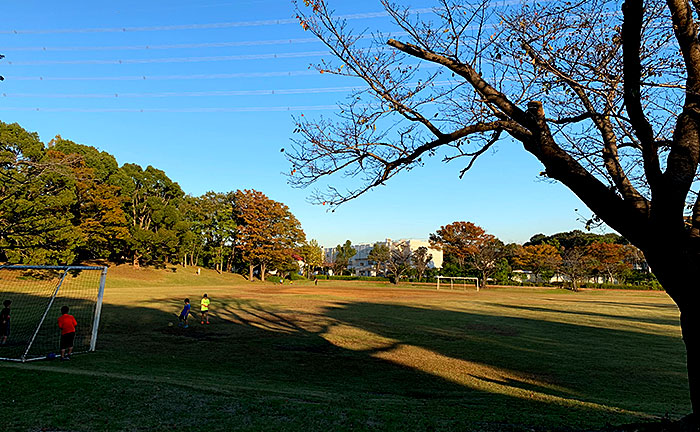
(690, 321)
(262, 272)
(135, 261)
(675, 271)
(250, 272)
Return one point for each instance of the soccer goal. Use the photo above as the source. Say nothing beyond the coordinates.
(463, 282)
(37, 294)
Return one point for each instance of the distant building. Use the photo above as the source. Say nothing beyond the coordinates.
(360, 264)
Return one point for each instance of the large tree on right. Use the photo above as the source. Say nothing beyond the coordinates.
(605, 95)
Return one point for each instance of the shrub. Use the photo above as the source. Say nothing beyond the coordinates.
(647, 285)
(296, 276)
(360, 278)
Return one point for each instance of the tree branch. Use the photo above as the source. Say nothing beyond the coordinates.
(467, 72)
(633, 12)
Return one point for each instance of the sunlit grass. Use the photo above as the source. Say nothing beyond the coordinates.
(363, 356)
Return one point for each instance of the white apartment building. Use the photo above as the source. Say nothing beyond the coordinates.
(360, 265)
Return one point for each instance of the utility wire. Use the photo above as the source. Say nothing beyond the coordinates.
(263, 92)
(265, 42)
(176, 110)
(222, 25)
(172, 59)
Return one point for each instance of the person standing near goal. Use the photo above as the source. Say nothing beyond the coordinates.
(5, 322)
(67, 325)
(205, 308)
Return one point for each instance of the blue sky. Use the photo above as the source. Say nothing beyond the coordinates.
(188, 88)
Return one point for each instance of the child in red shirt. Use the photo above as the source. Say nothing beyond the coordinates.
(67, 325)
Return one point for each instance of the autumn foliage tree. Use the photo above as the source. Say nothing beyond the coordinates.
(540, 259)
(609, 259)
(460, 240)
(604, 94)
(268, 233)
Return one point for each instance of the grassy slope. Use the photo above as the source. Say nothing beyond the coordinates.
(349, 355)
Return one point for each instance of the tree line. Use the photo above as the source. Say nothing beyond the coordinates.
(66, 203)
(575, 256)
(468, 250)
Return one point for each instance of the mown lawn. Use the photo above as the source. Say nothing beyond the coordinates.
(357, 356)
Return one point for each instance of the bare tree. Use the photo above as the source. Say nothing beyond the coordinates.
(485, 259)
(606, 99)
(400, 260)
(575, 265)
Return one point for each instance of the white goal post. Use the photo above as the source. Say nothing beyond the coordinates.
(33, 296)
(458, 278)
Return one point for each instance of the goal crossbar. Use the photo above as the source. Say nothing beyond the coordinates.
(464, 280)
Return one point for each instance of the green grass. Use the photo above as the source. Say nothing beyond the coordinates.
(349, 355)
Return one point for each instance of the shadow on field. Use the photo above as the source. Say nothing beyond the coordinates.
(463, 365)
(625, 369)
(650, 320)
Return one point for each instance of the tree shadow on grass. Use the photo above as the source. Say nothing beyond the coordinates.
(624, 369)
(651, 320)
(431, 368)
(668, 306)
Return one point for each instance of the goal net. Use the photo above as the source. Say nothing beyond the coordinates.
(37, 294)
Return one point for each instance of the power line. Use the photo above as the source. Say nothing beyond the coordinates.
(166, 77)
(222, 25)
(293, 41)
(240, 57)
(263, 92)
(177, 110)
(181, 94)
(166, 47)
(184, 77)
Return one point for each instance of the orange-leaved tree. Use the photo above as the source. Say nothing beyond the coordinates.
(268, 232)
(540, 259)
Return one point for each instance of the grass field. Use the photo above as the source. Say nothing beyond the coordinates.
(357, 356)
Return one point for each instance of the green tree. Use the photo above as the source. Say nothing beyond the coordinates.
(37, 192)
(312, 254)
(576, 238)
(192, 240)
(217, 226)
(155, 223)
(379, 255)
(341, 258)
